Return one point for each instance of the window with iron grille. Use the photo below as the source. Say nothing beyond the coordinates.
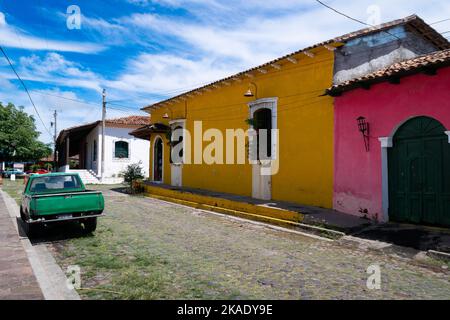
(121, 150)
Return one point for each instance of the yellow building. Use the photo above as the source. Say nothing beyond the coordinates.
(284, 94)
(291, 88)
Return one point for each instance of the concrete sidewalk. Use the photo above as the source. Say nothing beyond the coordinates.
(17, 279)
(310, 215)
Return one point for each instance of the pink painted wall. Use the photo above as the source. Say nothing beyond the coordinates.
(357, 176)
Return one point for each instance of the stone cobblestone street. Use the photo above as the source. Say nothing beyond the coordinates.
(147, 248)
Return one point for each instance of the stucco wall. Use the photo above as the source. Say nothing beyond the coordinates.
(305, 123)
(367, 54)
(138, 151)
(358, 174)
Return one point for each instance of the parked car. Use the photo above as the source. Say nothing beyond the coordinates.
(59, 197)
(38, 171)
(8, 173)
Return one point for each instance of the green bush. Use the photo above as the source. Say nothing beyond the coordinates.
(132, 173)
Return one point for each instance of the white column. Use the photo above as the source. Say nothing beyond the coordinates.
(448, 133)
(386, 142)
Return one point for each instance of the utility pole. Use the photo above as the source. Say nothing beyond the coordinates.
(55, 115)
(103, 133)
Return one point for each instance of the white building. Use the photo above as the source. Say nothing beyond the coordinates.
(80, 149)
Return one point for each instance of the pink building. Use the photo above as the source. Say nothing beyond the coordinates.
(394, 162)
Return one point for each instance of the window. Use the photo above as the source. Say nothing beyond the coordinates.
(54, 183)
(94, 151)
(263, 121)
(121, 150)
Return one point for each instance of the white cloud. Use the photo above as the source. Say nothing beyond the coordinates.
(2, 19)
(152, 73)
(16, 38)
(53, 68)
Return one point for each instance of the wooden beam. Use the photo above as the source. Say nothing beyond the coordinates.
(263, 71)
(275, 66)
(292, 60)
(309, 54)
(394, 80)
(365, 85)
(429, 71)
(249, 75)
(330, 48)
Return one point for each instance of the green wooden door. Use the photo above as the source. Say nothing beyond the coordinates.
(419, 173)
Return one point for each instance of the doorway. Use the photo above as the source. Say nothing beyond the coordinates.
(263, 114)
(158, 160)
(419, 173)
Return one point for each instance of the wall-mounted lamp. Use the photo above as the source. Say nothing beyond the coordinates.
(165, 116)
(249, 92)
(363, 127)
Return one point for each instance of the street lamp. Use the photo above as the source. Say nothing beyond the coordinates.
(363, 127)
(250, 93)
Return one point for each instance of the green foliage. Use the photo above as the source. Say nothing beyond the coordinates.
(35, 167)
(132, 173)
(48, 166)
(18, 136)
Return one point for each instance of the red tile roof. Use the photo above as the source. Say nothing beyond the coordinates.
(421, 63)
(413, 23)
(131, 120)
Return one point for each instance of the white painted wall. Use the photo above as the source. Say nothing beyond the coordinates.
(138, 151)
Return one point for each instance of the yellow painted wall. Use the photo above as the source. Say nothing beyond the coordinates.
(305, 123)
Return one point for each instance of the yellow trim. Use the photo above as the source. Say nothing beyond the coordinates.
(226, 206)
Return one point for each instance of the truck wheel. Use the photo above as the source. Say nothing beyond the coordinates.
(32, 230)
(90, 225)
(22, 215)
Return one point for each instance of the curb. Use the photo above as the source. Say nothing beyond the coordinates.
(439, 255)
(265, 219)
(49, 275)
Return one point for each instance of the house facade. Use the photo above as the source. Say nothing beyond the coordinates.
(85, 144)
(404, 174)
(285, 96)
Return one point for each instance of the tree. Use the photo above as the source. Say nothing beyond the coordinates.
(19, 137)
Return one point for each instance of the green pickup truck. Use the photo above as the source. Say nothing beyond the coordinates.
(59, 197)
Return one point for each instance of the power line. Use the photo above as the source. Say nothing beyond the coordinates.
(26, 90)
(343, 14)
(439, 21)
(84, 102)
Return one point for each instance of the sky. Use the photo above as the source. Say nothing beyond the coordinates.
(144, 51)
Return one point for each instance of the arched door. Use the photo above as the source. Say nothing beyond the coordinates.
(158, 160)
(419, 173)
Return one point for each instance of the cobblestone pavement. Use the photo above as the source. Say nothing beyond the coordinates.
(17, 280)
(202, 255)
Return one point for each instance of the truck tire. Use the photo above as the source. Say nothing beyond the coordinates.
(90, 225)
(32, 230)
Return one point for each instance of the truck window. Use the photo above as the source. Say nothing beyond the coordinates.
(54, 183)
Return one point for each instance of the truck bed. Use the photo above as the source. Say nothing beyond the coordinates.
(66, 203)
